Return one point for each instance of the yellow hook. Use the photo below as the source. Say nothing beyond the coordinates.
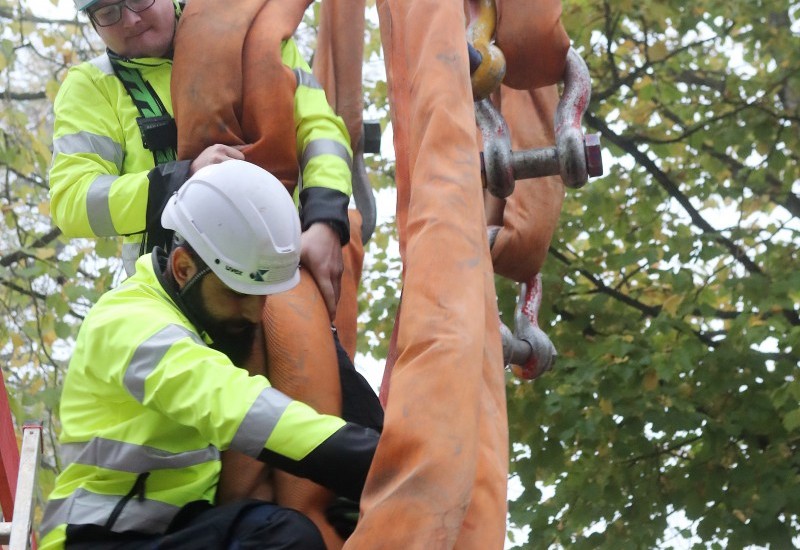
(489, 74)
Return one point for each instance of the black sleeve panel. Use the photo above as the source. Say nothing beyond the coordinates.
(164, 180)
(340, 463)
(320, 204)
(360, 404)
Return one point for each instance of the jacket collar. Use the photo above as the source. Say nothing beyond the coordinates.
(139, 62)
(160, 261)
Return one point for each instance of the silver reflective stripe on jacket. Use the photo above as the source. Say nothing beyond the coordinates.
(103, 62)
(129, 457)
(149, 354)
(97, 207)
(85, 508)
(130, 253)
(306, 79)
(87, 142)
(325, 147)
(260, 421)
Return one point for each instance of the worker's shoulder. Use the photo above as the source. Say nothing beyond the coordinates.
(129, 317)
(139, 294)
(135, 308)
(97, 67)
(84, 77)
(138, 300)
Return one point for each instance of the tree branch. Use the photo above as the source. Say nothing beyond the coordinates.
(650, 311)
(647, 310)
(22, 96)
(41, 242)
(7, 13)
(778, 192)
(643, 160)
(664, 450)
(15, 287)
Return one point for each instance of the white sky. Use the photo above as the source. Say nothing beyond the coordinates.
(61, 9)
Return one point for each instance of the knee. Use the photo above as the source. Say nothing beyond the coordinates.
(308, 535)
(270, 526)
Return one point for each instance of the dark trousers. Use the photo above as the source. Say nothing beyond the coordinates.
(250, 525)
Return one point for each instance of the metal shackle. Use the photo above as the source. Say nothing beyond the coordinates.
(575, 157)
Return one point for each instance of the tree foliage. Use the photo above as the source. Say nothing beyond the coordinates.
(672, 289)
(47, 282)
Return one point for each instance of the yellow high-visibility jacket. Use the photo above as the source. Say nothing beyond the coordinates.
(104, 182)
(147, 407)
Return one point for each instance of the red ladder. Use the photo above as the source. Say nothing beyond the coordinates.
(18, 471)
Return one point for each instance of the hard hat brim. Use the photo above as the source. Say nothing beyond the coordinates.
(257, 288)
(244, 225)
(88, 5)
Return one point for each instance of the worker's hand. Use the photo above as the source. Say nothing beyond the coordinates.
(321, 254)
(215, 154)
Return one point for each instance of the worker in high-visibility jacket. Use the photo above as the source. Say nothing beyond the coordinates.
(232, 84)
(151, 395)
(114, 142)
(104, 181)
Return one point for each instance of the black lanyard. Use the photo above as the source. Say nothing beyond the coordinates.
(158, 129)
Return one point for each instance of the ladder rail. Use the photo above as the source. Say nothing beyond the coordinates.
(17, 533)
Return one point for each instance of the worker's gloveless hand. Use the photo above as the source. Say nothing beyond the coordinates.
(321, 254)
(214, 154)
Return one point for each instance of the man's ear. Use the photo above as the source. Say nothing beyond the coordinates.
(183, 266)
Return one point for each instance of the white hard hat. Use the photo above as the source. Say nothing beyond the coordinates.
(86, 4)
(243, 224)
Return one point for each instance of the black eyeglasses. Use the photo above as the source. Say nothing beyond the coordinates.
(107, 15)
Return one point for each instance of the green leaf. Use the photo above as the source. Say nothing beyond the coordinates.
(792, 420)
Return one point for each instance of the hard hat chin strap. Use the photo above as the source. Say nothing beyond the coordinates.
(201, 272)
(202, 267)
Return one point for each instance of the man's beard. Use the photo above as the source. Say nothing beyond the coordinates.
(233, 339)
(237, 346)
